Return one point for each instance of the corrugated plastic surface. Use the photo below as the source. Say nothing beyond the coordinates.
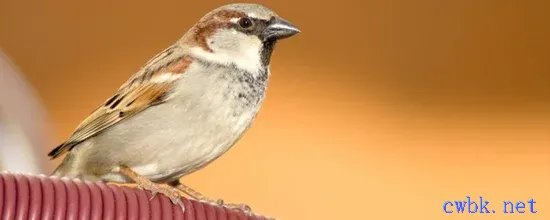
(42, 197)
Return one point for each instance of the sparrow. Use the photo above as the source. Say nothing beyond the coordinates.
(183, 109)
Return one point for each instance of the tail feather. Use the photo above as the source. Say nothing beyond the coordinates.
(67, 169)
(57, 172)
(59, 150)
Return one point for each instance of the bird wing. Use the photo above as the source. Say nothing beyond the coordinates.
(148, 87)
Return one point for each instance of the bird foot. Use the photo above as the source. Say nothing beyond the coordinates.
(143, 183)
(168, 191)
(243, 207)
(200, 197)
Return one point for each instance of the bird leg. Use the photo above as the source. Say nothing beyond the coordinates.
(144, 183)
(200, 197)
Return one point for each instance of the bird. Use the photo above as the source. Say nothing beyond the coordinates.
(183, 109)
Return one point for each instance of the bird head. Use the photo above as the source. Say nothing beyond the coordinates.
(242, 35)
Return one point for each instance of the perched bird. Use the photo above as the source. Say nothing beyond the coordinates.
(184, 108)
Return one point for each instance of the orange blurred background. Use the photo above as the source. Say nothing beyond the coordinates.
(377, 110)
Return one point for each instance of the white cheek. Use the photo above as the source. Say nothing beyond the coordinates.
(248, 53)
(251, 49)
(233, 47)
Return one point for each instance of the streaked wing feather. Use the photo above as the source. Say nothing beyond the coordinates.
(145, 89)
(134, 101)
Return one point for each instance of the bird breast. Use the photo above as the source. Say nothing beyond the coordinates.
(208, 111)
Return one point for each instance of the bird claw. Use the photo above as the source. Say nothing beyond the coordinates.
(243, 207)
(153, 194)
(179, 203)
(153, 190)
(218, 202)
(172, 193)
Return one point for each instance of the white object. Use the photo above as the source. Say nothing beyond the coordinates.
(23, 134)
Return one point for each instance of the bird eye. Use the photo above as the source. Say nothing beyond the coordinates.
(245, 23)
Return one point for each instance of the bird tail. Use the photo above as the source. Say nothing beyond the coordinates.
(58, 171)
(67, 169)
(61, 149)
(56, 151)
(63, 169)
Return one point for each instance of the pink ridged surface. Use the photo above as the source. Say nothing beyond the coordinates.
(41, 197)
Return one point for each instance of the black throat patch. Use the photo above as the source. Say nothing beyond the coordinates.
(258, 31)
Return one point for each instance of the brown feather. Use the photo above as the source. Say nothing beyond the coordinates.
(207, 27)
(133, 97)
(149, 86)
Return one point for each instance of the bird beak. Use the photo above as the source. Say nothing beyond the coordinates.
(278, 28)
